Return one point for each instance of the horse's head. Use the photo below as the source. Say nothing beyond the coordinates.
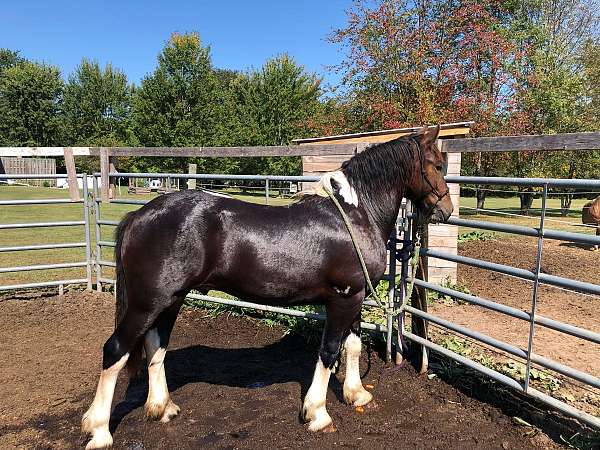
(428, 188)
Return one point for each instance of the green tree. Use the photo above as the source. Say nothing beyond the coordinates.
(30, 99)
(96, 110)
(181, 104)
(590, 62)
(97, 106)
(9, 58)
(273, 106)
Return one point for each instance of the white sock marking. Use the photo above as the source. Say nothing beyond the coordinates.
(95, 420)
(354, 393)
(314, 402)
(158, 392)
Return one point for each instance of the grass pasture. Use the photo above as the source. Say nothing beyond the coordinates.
(56, 235)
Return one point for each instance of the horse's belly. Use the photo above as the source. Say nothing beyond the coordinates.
(272, 286)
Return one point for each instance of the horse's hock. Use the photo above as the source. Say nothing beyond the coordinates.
(441, 237)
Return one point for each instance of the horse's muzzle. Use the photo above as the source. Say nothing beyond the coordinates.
(440, 214)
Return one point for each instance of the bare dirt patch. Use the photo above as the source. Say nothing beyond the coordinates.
(239, 385)
(559, 259)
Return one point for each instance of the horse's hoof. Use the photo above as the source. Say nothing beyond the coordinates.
(155, 411)
(171, 411)
(322, 425)
(100, 440)
(329, 429)
(359, 397)
(318, 419)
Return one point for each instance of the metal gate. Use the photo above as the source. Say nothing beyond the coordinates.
(84, 259)
(97, 262)
(536, 277)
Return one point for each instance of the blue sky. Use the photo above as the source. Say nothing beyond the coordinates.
(130, 34)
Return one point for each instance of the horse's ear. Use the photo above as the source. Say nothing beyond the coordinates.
(422, 131)
(429, 135)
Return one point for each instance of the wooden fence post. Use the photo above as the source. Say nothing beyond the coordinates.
(71, 174)
(104, 179)
(192, 181)
(112, 160)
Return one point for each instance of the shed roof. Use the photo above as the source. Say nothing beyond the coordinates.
(447, 130)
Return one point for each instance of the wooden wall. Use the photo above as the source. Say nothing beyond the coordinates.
(444, 237)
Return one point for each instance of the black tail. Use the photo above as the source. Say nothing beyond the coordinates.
(135, 356)
(120, 290)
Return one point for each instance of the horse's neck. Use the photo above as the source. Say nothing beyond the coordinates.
(384, 212)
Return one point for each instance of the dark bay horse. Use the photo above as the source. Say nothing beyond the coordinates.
(288, 255)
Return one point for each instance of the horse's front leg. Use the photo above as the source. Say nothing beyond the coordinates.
(354, 392)
(340, 314)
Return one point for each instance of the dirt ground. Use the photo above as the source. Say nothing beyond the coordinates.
(561, 259)
(239, 385)
(572, 308)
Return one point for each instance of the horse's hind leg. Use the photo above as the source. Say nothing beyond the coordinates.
(115, 354)
(354, 392)
(159, 405)
(340, 314)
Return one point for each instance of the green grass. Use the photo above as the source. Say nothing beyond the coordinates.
(55, 235)
(512, 206)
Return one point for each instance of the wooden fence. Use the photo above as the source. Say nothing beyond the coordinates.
(328, 152)
(41, 166)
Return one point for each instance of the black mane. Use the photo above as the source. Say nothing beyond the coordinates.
(380, 174)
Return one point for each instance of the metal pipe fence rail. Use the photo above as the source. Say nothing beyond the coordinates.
(399, 245)
(49, 202)
(526, 355)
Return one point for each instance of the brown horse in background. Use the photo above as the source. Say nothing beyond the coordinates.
(590, 215)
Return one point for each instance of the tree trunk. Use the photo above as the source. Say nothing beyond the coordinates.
(526, 201)
(480, 193)
(565, 204)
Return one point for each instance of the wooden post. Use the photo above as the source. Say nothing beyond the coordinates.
(419, 301)
(71, 174)
(111, 182)
(192, 181)
(104, 179)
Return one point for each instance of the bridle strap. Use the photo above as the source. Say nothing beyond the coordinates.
(433, 191)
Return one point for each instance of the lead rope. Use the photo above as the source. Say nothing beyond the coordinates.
(415, 262)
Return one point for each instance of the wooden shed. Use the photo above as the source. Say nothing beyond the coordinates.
(441, 237)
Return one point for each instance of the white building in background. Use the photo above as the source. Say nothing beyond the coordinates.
(63, 183)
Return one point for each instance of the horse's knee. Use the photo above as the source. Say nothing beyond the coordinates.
(329, 353)
(113, 351)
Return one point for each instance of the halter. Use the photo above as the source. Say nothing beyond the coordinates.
(433, 191)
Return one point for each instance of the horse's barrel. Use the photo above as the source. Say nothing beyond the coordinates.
(590, 214)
